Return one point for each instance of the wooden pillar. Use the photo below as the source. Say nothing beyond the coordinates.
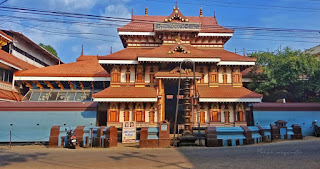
(163, 102)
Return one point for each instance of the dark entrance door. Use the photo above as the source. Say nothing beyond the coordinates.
(171, 91)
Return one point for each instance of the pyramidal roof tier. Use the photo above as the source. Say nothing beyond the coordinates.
(146, 23)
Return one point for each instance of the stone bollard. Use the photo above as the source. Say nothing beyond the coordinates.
(297, 132)
(211, 137)
(247, 133)
(54, 136)
(164, 134)
(78, 132)
(111, 137)
(98, 141)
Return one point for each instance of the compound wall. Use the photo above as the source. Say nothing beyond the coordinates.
(32, 121)
(294, 113)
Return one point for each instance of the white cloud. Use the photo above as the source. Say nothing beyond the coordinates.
(69, 47)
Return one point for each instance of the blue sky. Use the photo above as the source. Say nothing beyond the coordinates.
(293, 14)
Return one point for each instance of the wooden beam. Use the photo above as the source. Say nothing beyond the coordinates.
(81, 84)
(28, 85)
(49, 85)
(92, 86)
(71, 85)
(38, 84)
(60, 85)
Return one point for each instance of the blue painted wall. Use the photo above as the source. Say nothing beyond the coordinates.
(25, 123)
(303, 118)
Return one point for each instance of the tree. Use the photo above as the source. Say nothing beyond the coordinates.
(49, 48)
(287, 73)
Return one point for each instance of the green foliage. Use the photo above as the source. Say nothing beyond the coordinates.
(50, 49)
(290, 74)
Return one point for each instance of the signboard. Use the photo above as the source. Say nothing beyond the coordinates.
(129, 132)
(160, 26)
(164, 127)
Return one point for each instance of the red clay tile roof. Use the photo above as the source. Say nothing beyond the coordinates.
(226, 92)
(6, 36)
(10, 95)
(127, 92)
(89, 68)
(6, 57)
(125, 54)
(87, 57)
(142, 23)
(229, 56)
(162, 51)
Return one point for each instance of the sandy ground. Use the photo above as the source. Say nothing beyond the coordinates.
(130, 156)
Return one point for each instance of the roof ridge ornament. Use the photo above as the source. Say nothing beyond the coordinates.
(178, 47)
(146, 11)
(201, 13)
(176, 15)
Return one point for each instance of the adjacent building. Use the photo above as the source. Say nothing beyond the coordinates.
(19, 53)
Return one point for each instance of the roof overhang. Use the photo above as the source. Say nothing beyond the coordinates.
(10, 65)
(125, 99)
(182, 77)
(231, 63)
(38, 78)
(249, 100)
(112, 62)
(7, 100)
(164, 59)
(215, 34)
(137, 33)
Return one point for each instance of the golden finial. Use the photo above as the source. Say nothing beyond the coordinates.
(201, 14)
(146, 11)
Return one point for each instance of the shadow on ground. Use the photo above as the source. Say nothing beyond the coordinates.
(293, 154)
(8, 158)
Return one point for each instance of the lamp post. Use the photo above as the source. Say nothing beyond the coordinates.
(187, 137)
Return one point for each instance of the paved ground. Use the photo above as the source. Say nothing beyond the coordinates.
(284, 154)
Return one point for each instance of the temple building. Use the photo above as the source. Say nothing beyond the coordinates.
(140, 82)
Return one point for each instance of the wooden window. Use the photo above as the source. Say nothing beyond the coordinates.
(126, 115)
(128, 75)
(202, 117)
(139, 74)
(151, 75)
(214, 116)
(202, 78)
(113, 116)
(151, 116)
(240, 116)
(226, 117)
(236, 78)
(151, 78)
(115, 74)
(213, 78)
(139, 116)
(224, 78)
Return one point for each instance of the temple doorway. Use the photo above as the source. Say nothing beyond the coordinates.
(171, 91)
